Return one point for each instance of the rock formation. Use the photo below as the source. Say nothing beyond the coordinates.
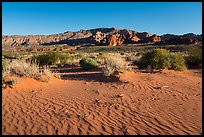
(114, 40)
(190, 38)
(179, 40)
(152, 39)
(100, 36)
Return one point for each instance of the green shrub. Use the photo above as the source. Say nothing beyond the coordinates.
(156, 59)
(3, 65)
(52, 58)
(3, 69)
(194, 58)
(161, 59)
(177, 62)
(88, 63)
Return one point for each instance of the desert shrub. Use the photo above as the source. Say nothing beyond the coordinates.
(47, 72)
(88, 63)
(3, 65)
(177, 62)
(194, 58)
(101, 58)
(156, 59)
(3, 69)
(45, 59)
(161, 59)
(113, 64)
(24, 69)
(52, 58)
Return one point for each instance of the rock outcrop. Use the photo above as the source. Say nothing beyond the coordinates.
(143, 35)
(99, 38)
(114, 40)
(132, 39)
(152, 39)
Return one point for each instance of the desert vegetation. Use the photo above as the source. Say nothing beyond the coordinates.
(113, 64)
(194, 58)
(161, 59)
(21, 68)
(50, 59)
(88, 63)
(111, 60)
(112, 83)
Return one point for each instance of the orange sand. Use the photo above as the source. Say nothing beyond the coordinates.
(162, 103)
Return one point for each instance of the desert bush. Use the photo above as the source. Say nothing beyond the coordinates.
(76, 57)
(3, 65)
(177, 62)
(194, 58)
(88, 63)
(156, 59)
(52, 58)
(161, 59)
(113, 64)
(47, 72)
(3, 69)
(24, 69)
(101, 58)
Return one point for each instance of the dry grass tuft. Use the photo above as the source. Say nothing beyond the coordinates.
(22, 68)
(114, 64)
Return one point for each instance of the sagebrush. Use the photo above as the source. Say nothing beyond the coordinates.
(113, 64)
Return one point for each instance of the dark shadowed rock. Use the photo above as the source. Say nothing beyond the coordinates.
(189, 38)
(179, 40)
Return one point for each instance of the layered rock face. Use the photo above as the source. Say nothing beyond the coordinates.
(132, 38)
(100, 36)
(114, 40)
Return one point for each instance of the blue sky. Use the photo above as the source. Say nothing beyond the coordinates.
(28, 18)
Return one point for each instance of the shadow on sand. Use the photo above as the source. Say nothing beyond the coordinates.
(69, 72)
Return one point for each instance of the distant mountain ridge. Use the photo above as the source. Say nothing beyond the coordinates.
(188, 35)
(100, 36)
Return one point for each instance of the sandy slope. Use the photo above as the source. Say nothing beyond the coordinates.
(85, 103)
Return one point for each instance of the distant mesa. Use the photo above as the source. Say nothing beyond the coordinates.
(101, 36)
